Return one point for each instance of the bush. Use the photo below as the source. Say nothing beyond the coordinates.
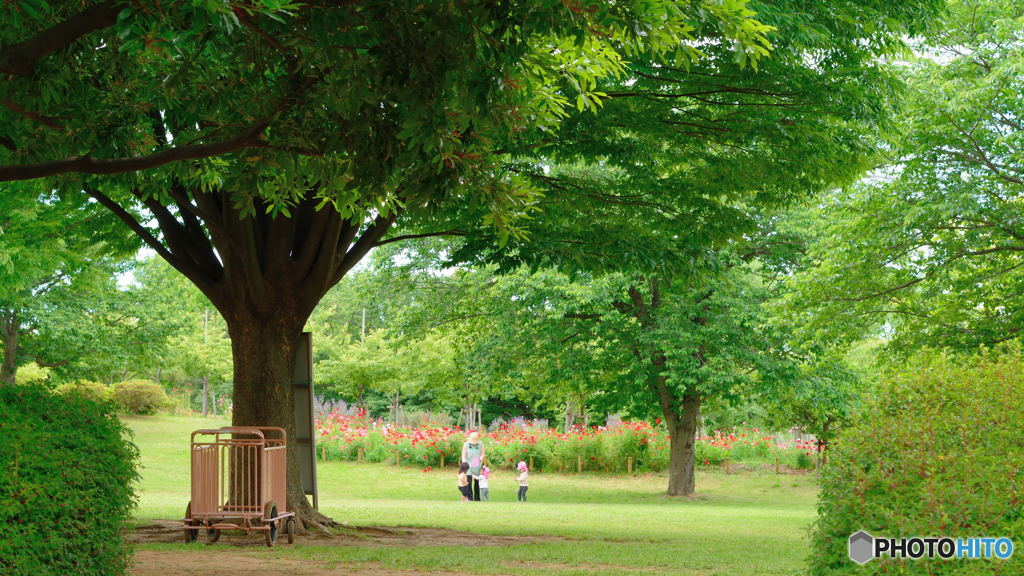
(140, 397)
(95, 390)
(66, 479)
(32, 374)
(709, 454)
(803, 462)
(938, 453)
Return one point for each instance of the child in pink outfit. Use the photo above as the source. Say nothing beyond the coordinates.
(524, 481)
(482, 478)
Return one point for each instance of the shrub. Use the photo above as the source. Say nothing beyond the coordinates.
(803, 461)
(140, 397)
(710, 454)
(32, 373)
(66, 478)
(937, 453)
(95, 390)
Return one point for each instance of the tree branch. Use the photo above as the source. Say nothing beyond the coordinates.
(48, 121)
(20, 59)
(323, 232)
(882, 293)
(424, 235)
(140, 230)
(248, 138)
(581, 316)
(366, 241)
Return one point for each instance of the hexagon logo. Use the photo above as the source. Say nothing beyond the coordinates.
(861, 547)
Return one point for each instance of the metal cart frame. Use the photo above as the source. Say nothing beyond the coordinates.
(239, 482)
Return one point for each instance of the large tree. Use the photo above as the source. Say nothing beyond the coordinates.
(264, 148)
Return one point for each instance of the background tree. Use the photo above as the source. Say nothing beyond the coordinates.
(666, 348)
(821, 398)
(94, 328)
(55, 259)
(197, 353)
(931, 249)
(359, 367)
(615, 343)
(683, 166)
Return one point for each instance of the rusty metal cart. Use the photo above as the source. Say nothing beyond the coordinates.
(239, 483)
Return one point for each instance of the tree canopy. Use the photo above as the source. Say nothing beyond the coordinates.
(930, 248)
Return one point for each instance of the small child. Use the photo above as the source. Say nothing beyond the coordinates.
(482, 478)
(524, 481)
(464, 482)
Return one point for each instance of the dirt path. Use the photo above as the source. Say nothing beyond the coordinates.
(170, 532)
(236, 552)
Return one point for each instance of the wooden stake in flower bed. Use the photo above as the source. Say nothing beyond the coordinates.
(442, 460)
(629, 465)
(579, 464)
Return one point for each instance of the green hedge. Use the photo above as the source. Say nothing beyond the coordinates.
(938, 453)
(95, 390)
(140, 397)
(67, 472)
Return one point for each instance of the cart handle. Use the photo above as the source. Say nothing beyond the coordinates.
(257, 431)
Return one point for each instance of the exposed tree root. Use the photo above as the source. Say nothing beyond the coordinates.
(309, 520)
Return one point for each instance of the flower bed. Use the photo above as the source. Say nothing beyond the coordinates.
(605, 449)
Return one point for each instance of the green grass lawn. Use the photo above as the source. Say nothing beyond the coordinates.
(751, 523)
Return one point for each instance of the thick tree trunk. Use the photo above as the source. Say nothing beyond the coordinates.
(9, 328)
(264, 360)
(682, 431)
(264, 273)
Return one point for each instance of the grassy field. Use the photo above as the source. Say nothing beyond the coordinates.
(752, 523)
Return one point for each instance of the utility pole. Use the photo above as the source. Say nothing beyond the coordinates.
(206, 375)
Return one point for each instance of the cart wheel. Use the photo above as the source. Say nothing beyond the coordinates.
(190, 535)
(212, 535)
(270, 511)
(289, 528)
